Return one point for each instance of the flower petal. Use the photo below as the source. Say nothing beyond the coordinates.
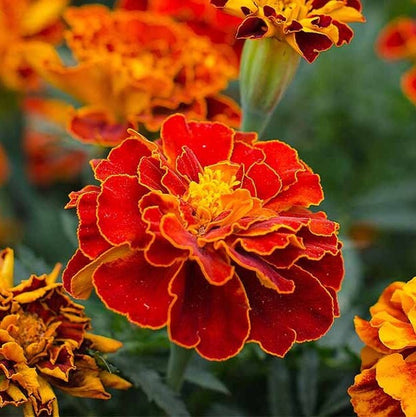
(213, 319)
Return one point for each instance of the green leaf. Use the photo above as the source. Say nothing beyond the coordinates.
(31, 262)
(307, 381)
(205, 379)
(152, 385)
(337, 399)
(353, 275)
(279, 393)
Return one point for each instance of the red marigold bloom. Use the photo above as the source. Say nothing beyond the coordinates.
(386, 386)
(207, 232)
(44, 342)
(49, 158)
(398, 41)
(136, 68)
(199, 15)
(22, 21)
(308, 26)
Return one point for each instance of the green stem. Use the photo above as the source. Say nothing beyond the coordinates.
(178, 361)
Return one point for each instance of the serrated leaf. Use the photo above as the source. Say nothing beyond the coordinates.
(279, 394)
(307, 381)
(205, 379)
(153, 386)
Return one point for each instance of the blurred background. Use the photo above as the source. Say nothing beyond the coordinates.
(349, 120)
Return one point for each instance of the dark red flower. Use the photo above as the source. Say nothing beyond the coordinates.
(207, 232)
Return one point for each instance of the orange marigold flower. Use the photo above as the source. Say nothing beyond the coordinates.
(207, 232)
(398, 41)
(4, 166)
(199, 15)
(308, 26)
(386, 386)
(136, 68)
(44, 342)
(22, 21)
(49, 158)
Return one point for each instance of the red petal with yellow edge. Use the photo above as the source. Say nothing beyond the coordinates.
(279, 320)
(305, 192)
(215, 264)
(409, 84)
(210, 142)
(368, 399)
(283, 159)
(265, 244)
(74, 196)
(266, 180)
(269, 276)
(311, 44)
(124, 159)
(160, 251)
(75, 264)
(329, 270)
(119, 217)
(213, 319)
(396, 376)
(94, 127)
(345, 34)
(90, 239)
(188, 165)
(247, 155)
(136, 289)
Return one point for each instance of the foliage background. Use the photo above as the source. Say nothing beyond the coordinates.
(350, 122)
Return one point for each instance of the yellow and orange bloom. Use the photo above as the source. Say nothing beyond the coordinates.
(386, 385)
(23, 21)
(398, 41)
(199, 15)
(45, 343)
(134, 68)
(308, 26)
(207, 231)
(49, 158)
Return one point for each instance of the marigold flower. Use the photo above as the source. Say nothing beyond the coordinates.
(386, 385)
(398, 41)
(308, 26)
(22, 21)
(207, 232)
(49, 158)
(136, 68)
(44, 342)
(199, 15)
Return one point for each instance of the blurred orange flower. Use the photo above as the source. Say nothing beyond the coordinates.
(22, 21)
(199, 15)
(49, 158)
(386, 386)
(135, 68)
(44, 342)
(308, 26)
(398, 41)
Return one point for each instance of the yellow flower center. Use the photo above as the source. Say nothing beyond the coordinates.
(30, 328)
(205, 195)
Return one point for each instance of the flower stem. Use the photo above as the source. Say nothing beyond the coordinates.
(178, 360)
